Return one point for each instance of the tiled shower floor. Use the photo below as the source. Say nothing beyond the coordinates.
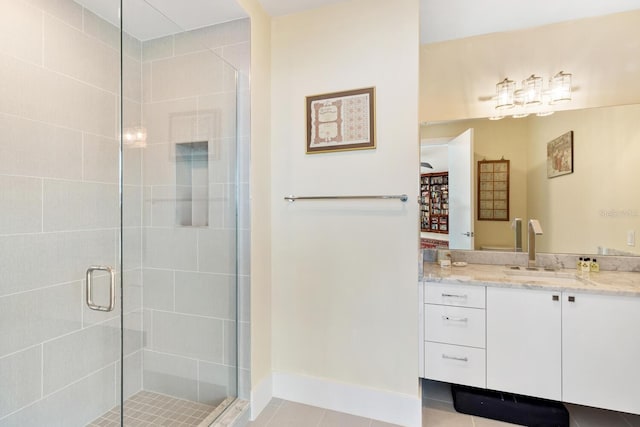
(146, 409)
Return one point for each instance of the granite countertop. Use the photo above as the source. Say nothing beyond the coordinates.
(603, 282)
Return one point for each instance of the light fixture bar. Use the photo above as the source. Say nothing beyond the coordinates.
(531, 94)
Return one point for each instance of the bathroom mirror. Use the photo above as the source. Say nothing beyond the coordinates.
(595, 209)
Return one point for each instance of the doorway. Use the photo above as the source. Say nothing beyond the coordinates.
(453, 158)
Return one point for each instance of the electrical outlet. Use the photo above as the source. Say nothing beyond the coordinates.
(631, 238)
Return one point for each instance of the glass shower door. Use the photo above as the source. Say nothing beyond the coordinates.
(60, 216)
(180, 227)
(119, 224)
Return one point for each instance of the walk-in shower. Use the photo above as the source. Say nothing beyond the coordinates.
(123, 211)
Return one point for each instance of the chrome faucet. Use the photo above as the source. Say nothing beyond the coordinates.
(534, 229)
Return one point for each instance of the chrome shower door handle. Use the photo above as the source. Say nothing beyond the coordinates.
(112, 288)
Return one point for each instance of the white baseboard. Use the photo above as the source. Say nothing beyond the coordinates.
(390, 407)
(260, 396)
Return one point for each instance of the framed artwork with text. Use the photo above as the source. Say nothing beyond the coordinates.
(341, 121)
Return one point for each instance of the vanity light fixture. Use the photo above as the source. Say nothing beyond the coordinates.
(532, 94)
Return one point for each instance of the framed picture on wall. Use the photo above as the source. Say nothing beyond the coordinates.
(341, 121)
(560, 155)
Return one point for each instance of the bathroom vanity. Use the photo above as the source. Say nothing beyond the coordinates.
(545, 334)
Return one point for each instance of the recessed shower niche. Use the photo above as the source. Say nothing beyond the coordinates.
(192, 184)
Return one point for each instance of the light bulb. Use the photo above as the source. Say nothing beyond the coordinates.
(560, 88)
(532, 89)
(504, 94)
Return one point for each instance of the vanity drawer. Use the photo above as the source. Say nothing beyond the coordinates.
(454, 325)
(455, 364)
(460, 295)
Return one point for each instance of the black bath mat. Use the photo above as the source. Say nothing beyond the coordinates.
(510, 408)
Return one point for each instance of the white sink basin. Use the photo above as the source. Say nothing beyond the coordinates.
(552, 280)
(538, 273)
(559, 277)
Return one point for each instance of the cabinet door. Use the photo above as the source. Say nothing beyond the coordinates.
(601, 351)
(524, 342)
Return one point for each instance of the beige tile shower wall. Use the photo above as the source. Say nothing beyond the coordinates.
(59, 112)
(189, 285)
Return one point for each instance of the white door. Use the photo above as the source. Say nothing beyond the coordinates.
(461, 191)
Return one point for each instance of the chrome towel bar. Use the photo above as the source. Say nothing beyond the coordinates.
(291, 198)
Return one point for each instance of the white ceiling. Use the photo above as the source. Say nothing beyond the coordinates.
(287, 7)
(440, 20)
(150, 19)
(436, 153)
(454, 19)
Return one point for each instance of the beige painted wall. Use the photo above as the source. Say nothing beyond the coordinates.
(344, 273)
(492, 141)
(260, 184)
(458, 77)
(598, 203)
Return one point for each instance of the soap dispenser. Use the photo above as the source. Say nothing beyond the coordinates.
(586, 267)
(595, 267)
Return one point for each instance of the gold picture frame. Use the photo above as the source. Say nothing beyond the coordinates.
(341, 121)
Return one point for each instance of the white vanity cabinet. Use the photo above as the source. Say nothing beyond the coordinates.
(575, 347)
(454, 334)
(524, 342)
(601, 351)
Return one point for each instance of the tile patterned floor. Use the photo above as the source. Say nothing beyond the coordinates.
(282, 413)
(147, 409)
(437, 411)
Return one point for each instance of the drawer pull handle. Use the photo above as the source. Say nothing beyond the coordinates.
(455, 319)
(453, 296)
(459, 359)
